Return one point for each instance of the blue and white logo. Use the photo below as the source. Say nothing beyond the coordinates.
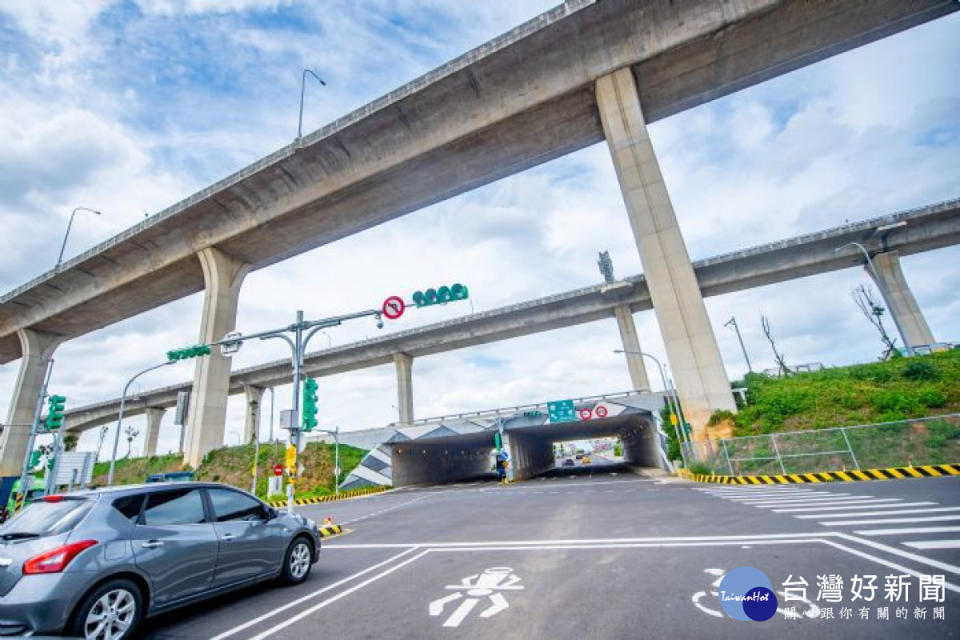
(747, 594)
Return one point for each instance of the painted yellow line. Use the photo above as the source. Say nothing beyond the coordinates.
(913, 472)
(932, 471)
(860, 474)
(843, 476)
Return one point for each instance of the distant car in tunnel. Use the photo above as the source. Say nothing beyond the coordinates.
(569, 462)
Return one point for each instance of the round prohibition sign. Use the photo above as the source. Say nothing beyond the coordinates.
(585, 414)
(278, 470)
(393, 307)
(601, 411)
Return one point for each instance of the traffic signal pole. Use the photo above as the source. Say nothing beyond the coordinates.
(33, 431)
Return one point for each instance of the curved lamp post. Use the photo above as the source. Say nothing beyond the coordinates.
(303, 86)
(123, 402)
(69, 225)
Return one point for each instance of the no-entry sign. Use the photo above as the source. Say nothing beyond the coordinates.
(586, 414)
(393, 307)
(278, 469)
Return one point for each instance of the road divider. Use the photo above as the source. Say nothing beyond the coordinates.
(319, 499)
(855, 475)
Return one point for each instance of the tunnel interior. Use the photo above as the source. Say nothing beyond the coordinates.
(461, 457)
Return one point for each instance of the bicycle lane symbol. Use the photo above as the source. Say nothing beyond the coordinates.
(813, 611)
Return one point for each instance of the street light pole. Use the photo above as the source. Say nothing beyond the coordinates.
(733, 322)
(69, 225)
(876, 277)
(123, 402)
(303, 86)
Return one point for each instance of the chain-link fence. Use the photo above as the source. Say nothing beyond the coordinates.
(934, 440)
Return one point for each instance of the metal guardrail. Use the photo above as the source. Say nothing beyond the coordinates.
(930, 440)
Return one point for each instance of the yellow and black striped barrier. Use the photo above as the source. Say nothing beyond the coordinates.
(320, 499)
(854, 475)
(330, 530)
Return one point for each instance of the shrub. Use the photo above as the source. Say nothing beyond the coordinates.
(931, 398)
(921, 370)
(720, 415)
(891, 401)
(699, 467)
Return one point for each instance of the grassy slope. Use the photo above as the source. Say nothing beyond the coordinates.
(859, 394)
(233, 465)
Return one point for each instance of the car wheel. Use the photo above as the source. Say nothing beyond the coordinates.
(297, 561)
(112, 611)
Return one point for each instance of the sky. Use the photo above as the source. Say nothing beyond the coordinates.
(130, 106)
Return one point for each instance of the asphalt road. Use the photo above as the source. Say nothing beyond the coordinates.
(599, 552)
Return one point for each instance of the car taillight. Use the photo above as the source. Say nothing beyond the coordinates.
(53, 498)
(55, 560)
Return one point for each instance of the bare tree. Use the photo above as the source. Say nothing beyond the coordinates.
(867, 301)
(777, 356)
(131, 433)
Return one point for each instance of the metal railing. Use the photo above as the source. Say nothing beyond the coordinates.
(932, 440)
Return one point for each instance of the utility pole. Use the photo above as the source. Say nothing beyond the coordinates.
(732, 322)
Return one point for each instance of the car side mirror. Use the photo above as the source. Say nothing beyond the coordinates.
(270, 513)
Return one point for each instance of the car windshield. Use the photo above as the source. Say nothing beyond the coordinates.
(45, 518)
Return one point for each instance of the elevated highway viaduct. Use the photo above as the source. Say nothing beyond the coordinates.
(903, 233)
(581, 73)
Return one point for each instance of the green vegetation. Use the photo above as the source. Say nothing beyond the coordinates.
(234, 465)
(860, 394)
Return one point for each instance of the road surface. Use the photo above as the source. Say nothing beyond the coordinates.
(604, 553)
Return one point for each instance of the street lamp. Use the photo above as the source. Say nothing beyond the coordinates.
(876, 277)
(69, 225)
(733, 322)
(303, 86)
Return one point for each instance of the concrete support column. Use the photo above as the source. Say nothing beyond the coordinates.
(36, 348)
(631, 347)
(691, 345)
(251, 421)
(154, 416)
(888, 277)
(206, 420)
(404, 364)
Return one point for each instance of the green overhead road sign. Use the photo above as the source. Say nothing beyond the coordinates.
(561, 411)
(189, 352)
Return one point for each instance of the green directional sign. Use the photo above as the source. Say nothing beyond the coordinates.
(561, 411)
(189, 352)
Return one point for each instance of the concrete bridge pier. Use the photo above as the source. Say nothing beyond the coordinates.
(154, 416)
(631, 348)
(404, 364)
(903, 307)
(690, 343)
(207, 416)
(251, 421)
(37, 348)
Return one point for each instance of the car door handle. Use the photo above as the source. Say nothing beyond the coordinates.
(228, 536)
(152, 544)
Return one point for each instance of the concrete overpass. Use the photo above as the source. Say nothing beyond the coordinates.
(451, 448)
(907, 232)
(578, 74)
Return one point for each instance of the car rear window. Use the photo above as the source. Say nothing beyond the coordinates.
(46, 518)
(129, 506)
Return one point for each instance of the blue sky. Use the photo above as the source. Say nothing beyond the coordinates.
(129, 107)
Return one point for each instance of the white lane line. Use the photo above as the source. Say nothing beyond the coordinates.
(891, 512)
(890, 520)
(868, 504)
(759, 492)
(825, 502)
(303, 614)
(293, 603)
(813, 499)
(934, 544)
(886, 563)
(749, 496)
(945, 566)
(909, 530)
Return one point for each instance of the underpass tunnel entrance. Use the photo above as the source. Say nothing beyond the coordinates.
(532, 448)
(447, 459)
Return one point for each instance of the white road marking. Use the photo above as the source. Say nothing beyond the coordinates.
(814, 501)
(891, 520)
(869, 504)
(894, 532)
(894, 511)
(487, 584)
(886, 563)
(826, 503)
(934, 544)
(303, 614)
(293, 603)
(899, 552)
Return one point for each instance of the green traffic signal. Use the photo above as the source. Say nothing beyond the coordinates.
(441, 295)
(55, 406)
(309, 411)
(35, 456)
(496, 441)
(188, 352)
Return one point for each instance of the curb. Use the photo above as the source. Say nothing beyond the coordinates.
(319, 499)
(858, 475)
(330, 530)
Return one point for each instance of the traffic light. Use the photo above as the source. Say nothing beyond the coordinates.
(55, 406)
(189, 352)
(35, 456)
(443, 295)
(309, 412)
(497, 442)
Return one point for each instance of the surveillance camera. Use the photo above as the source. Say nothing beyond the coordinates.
(379, 323)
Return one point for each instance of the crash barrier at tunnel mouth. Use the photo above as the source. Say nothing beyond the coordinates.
(329, 530)
(319, 499)
(855, 475)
